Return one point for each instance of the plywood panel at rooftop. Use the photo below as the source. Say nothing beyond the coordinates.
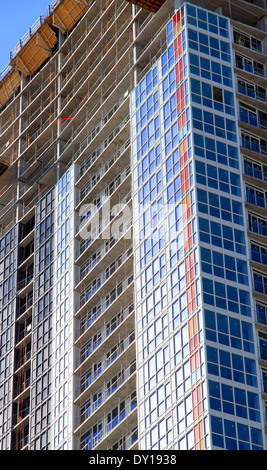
(151, 5)
(36, 51)
(67, 14)
(10, 83)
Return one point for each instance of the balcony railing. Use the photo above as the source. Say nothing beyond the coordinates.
(28, 303)
(251, 92)
(95, 154)
(36, 93)
(108, 358)
(95, 438)
(263, 350)
(94, 259)
(22, 386)
(251, 66)
(252, 119)
(249, 42)
(96, 84)
(33, 29)
(258, 3)
(260, 283)
(22, 359)
(259, 254)
(257, 226)
(23, 283)
(256, 197)
(255, 171)
(105, 303)
(109, 188)
(102, 335)
(9, 142)
(253, 143)
(21, 443)
(127, 442)
(104, 393)
(93, 45)
(91, 316)
(8, 206)
(79, 41)
(88, 139)
(96, 229)
(21, 414)
(97, 176)
(90, 290)
(261, 317)
(24, 332)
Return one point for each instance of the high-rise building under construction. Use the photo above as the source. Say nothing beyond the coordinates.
(133, 225)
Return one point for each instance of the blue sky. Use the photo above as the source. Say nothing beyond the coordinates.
(17, 16)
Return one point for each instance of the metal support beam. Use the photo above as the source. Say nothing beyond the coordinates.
(85, 3)
(63, 27)
(47, 48)
(16, 66)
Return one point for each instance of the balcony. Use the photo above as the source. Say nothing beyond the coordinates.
(9, 137)
(251, 90)
(259, 254)
(70, 47)
(23, 330)
(261, 316)
(40, 132)
(113, 299)
(257, 3)
(20, 439)
(256, 197)
(258, 259)
(22, 357)
(22, 383)
(119, 275)
(24, 305)
(255, 170)
(111, 302)
(107, 357)
(22, 411)
(102, 165)
(103, 145)
(97, 283)
(25, 255)
(264, 382)
(263, 347)
(119, 241)
(102, 196)
(107, 170)
(248, 42)
(128, 442)
(26, 229)
(24, 279)
(106, 366)
(93, 342)
(253, 143)
(111, 422)
(95, 40)
(257, 225)
(106, 395)
(250, 66)
(253, 119)
(259, 286)
(103, 230)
